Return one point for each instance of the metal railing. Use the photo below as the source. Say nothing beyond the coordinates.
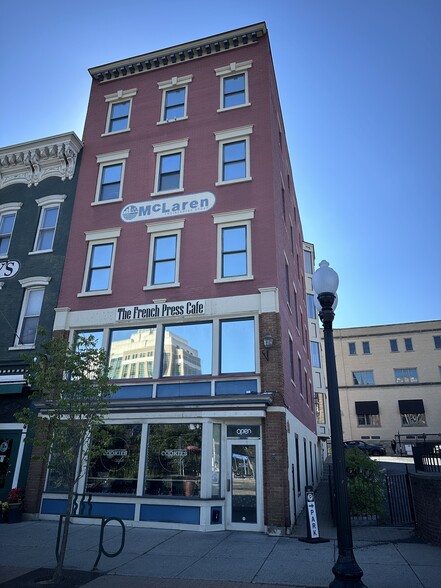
(427, 456)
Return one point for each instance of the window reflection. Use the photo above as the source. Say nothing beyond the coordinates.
(115, 469)
(237, 346)
(131, 353)
(187, 350)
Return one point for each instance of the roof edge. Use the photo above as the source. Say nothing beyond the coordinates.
(179, 53)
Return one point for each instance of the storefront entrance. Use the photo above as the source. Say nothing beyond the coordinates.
(244, 486)
(9, 446)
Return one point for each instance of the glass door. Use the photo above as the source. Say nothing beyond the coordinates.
(244, 502)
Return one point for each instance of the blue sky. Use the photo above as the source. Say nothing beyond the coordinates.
(360, 87)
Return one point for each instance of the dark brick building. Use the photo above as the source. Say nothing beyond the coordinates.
(37, 187)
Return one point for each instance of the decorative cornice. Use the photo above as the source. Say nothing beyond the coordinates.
(32, 162)
(179, 53)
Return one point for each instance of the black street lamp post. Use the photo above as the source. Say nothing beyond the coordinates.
(346, 570)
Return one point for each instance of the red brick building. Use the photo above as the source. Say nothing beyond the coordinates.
(185, 251)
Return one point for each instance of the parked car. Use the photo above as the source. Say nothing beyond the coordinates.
(368, 448)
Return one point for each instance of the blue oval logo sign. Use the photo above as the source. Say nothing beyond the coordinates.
(167, 207)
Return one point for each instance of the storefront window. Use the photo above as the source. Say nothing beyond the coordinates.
(131, 353)
(173, 465)
(187, 350)
(237, 346)
(115, 469)
(216, 462)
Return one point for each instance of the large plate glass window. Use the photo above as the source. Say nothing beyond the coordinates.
(187, 350)
(237, 346)
(114, 468)
(174, 458)
(132, 353)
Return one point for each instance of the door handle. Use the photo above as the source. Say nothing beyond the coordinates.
(228, 485)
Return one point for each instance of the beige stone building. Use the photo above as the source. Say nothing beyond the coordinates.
(390, 382)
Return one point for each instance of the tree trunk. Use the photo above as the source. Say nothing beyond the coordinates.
(65, 534)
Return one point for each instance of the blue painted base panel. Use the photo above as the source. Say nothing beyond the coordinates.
(106, 509)
(189, 515)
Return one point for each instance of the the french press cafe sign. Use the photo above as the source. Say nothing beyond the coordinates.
(163, 310)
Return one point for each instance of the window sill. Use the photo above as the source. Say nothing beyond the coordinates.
(115, 132)
(100, 202)
(167, 192)
(39, 252)
(233, 279)
(96, 293)
(171, 120)
(234, 107)
(228, 182)
(21, 347)
(160, 286)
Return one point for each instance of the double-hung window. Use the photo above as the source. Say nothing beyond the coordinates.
(100, 261)
(118, 114)
(110, 176)
(8, 213)
(169, 176)
(234, 85)
(174, 98)
(234, 245)
(26, 333)
(50, 208)
(234, 155)
(165, 243)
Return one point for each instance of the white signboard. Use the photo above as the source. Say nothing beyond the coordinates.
(9, 268)
(164, 310)
(168, 207)
(313, 522)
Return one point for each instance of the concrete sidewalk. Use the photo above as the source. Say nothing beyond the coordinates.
(156, 558)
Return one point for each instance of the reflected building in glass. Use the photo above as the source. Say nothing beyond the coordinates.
(185, 252)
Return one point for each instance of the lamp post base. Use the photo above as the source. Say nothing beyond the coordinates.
(347, 573)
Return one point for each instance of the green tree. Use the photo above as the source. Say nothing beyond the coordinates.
(71, 393)
(365, 484)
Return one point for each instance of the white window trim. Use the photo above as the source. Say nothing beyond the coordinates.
(164, 229)
(105, 160)
(7, 208)
(173, 84)
(231, 70)
(225, 220)
(43, 203)
(169, 148)
(115, 98)
(29, 284)
(99, 237)
(231, 136)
